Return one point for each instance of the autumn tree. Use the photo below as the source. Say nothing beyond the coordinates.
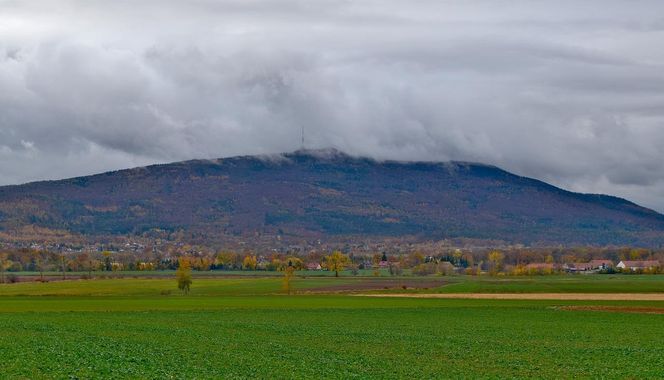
(40, 262)
(495, 259)
(376, 259)
(637, 254)
(296, 263)
(63, 266)
(249, 262)
(519, 270)
(4, 264)
(289, 273)
(227, 260)
(336, 262)
(108, 265)
(183, 275)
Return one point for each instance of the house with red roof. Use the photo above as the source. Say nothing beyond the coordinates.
(314, 266)
(636, 265)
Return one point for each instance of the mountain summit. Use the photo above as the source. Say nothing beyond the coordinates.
(327, 195)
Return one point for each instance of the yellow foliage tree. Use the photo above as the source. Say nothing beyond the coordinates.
(336, 262)
(295, 262)
(250, 262)
(520, 270)
(227, 259)
(183, 275)
(495, 259)
(289, 273)
(4, 265)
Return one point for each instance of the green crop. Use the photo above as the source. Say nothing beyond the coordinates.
(244, 328)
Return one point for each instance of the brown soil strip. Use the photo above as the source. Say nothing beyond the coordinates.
(378, 284)
(616, 309)
(535, 296)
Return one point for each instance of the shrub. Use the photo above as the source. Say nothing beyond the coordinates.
(425, 269)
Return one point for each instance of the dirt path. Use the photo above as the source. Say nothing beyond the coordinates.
(534, 296)
(378, 284)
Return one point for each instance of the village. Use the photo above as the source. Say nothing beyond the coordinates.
(361, 260)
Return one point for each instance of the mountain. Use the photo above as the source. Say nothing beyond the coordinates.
(327, 195)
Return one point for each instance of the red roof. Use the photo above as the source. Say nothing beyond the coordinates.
(641, 263)
(313, 266)
(540, 266)
(601, 262)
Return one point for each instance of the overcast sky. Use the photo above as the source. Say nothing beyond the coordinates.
(568, 92)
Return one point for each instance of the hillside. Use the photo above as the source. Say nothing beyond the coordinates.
(327, 195)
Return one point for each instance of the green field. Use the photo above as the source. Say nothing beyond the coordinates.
(246, 328)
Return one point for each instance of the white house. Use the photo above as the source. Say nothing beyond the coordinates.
(638, 264)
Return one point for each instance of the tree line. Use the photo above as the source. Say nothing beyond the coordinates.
(513, 261)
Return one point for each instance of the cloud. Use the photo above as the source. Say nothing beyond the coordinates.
(569, 93)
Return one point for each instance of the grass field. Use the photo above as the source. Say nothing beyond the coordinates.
(245, 328)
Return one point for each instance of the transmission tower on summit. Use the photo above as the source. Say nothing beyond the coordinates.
(302, 147)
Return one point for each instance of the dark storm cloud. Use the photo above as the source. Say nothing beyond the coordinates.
(568, 92)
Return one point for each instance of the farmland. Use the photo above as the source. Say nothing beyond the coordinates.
(241, 327)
